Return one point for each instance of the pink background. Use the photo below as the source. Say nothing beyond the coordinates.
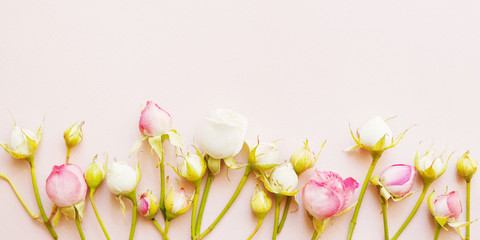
(295, 69)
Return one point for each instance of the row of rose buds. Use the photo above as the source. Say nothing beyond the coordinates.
(396, 181)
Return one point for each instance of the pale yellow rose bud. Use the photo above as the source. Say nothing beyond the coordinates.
(94, 174)
(74, 134)
(260, 203)
(176, 202)
(192, 168)
(466, 166)
(302, 159)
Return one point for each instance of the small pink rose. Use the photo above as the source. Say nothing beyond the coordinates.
(154, 120)
(398, 179)
(448, 205)
(66, 185)
(327, 195)
(148, 205)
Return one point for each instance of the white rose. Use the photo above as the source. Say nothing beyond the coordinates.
(121, 178)
(222, 134)
(192, 168)
(283, 179)
(374, 130)
(266, 156)
(430, 166)
(23, 143)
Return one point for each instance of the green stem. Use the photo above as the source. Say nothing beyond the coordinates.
(68, 154)
(248, 169)
(201, 209)
(260, 221)
(285, 213)
(165, 233)
(157, 225)
(79, 226)
(194, 209)
(384, 213)
(92, 191)
(47, 223)
(278, 200)
(353, 222)
(315, 234)
(426, 184)
(162, 188)
(133, 198)
(437, 231)
(18, 196)
(467, 230)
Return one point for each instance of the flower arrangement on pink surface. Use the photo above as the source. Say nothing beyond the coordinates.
(220, 138)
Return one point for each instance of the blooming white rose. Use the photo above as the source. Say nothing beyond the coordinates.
(264, 156)
(122, 179)
(222, 134)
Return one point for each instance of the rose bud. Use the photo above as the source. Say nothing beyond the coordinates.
(176, 202)
(95, 174)
(326, 195)
(375, 136)
(66, 185)
(222, 134)
(430, 166)
(466, 166)
(148, 205)
(192, 168)
(282, 181)
(264, 156)
(23, 142)
(395, 181)
(154, 120)
(303, 158)
(122, 179)
(74, 134)
(445, 208)
(260, 203)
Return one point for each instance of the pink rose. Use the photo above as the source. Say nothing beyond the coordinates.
(154, 120)
(148, 205)
(66, 185)
(327, 195)
(398, 180)
(447, 205)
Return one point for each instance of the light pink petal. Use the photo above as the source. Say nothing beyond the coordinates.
(320, 201)
(154, 120)
(454, 204)
(66, 185)
(143, 206)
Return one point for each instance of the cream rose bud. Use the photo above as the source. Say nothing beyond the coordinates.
(121, 178)
(23, 143)
(154, 120)
(66, 185)
(302, 159)
(192, 168)
(283, 180)
(466, 166)
(94, 174)
(430, 166)
(395, 181)
(264, 156)
(148, 205)
(222, 134)
(176, 203)
(373, 131)
(260, 203)
(74, 134)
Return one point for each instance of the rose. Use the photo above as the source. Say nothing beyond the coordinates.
(192, 168)
(154, 120)
(74, 134)
(122, 179)
(303, 158)
(222, 134)
(467, 166)
(430, 166)
(326, 195)
(264, 156)
(445, 208)
(395, 181)
(66, 185)
(23, 143)
(260, 203)
(282, 181)
(95, 174)
(176, 202)
(148, 205)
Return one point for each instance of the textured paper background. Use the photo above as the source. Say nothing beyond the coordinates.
(296, 69)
